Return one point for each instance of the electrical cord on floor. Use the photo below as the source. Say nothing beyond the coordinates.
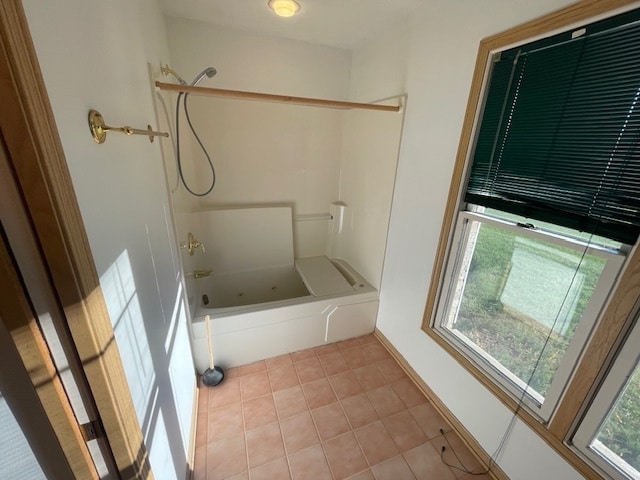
(204, 150)
(462, 467)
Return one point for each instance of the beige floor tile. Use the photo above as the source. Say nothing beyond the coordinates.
(302, 355)
(254, 385)
(395, 468)
(344, 456)
(226, 457)
(333, 363)
(259, 411)
(280, 361)
(370, 377)
(376, 443)
(371, 338)
(385, 401)
(324, 349)
(264, 444)
(309, 463)
(343, 411)
(252, 368)
(345, 385)
(364, 475)
(429, 419)
(404, 431)
(470, 476)
(330, 421)
(299, 432)
(231, 373)
(425, 463)
(276, 470)
(355, 357)
(309, 370)
(240, 476)
(290, 402)
(283, 377)
(203, 397)
(391, 370)
(350, 343)
(225, 422)
(318, 393)
(374, 352)
(359, 410)
(408, 392)
(202, 427)
(225, 393)
(200, 462)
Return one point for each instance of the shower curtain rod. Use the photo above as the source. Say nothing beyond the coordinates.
(317, 102)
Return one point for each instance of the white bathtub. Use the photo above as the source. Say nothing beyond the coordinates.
(269, 312)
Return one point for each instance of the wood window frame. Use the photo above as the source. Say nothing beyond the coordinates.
(626, 294)
(42, 177)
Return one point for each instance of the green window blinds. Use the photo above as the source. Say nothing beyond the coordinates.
(559, 139)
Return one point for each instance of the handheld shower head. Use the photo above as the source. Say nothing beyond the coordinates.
(209, 72)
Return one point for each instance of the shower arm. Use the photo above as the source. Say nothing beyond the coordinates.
(167, 70)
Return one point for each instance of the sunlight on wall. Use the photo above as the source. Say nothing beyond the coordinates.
(150, 388)
(124, 309)
(182, 385)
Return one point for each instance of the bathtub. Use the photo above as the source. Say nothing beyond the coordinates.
(273, 311)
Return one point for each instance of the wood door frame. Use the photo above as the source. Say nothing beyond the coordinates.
(32, 386)
(41, 175)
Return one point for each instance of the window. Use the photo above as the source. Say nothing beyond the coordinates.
(521, 303)
(547, 215)
(609, 435)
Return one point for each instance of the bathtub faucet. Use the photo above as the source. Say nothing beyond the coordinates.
(199, 273)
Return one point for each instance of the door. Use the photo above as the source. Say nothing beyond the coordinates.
(32, 395)
(32, 321)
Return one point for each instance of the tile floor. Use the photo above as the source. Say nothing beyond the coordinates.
(341, 411)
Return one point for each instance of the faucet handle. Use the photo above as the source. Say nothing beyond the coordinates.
(191, 244)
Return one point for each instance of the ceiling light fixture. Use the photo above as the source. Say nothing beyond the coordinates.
(284, 8)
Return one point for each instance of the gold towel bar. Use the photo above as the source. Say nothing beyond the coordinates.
(99, 129)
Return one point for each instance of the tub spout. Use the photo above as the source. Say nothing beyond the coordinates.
(201, 273)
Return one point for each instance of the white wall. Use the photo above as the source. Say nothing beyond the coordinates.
(443, 42)
(264, 152)
(94, 55)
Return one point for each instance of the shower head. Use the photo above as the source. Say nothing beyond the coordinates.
(209, 72)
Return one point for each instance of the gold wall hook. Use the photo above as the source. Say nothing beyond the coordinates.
(99, 129)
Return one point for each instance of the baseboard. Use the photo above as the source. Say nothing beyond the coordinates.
(468, 439)
(191, 452)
